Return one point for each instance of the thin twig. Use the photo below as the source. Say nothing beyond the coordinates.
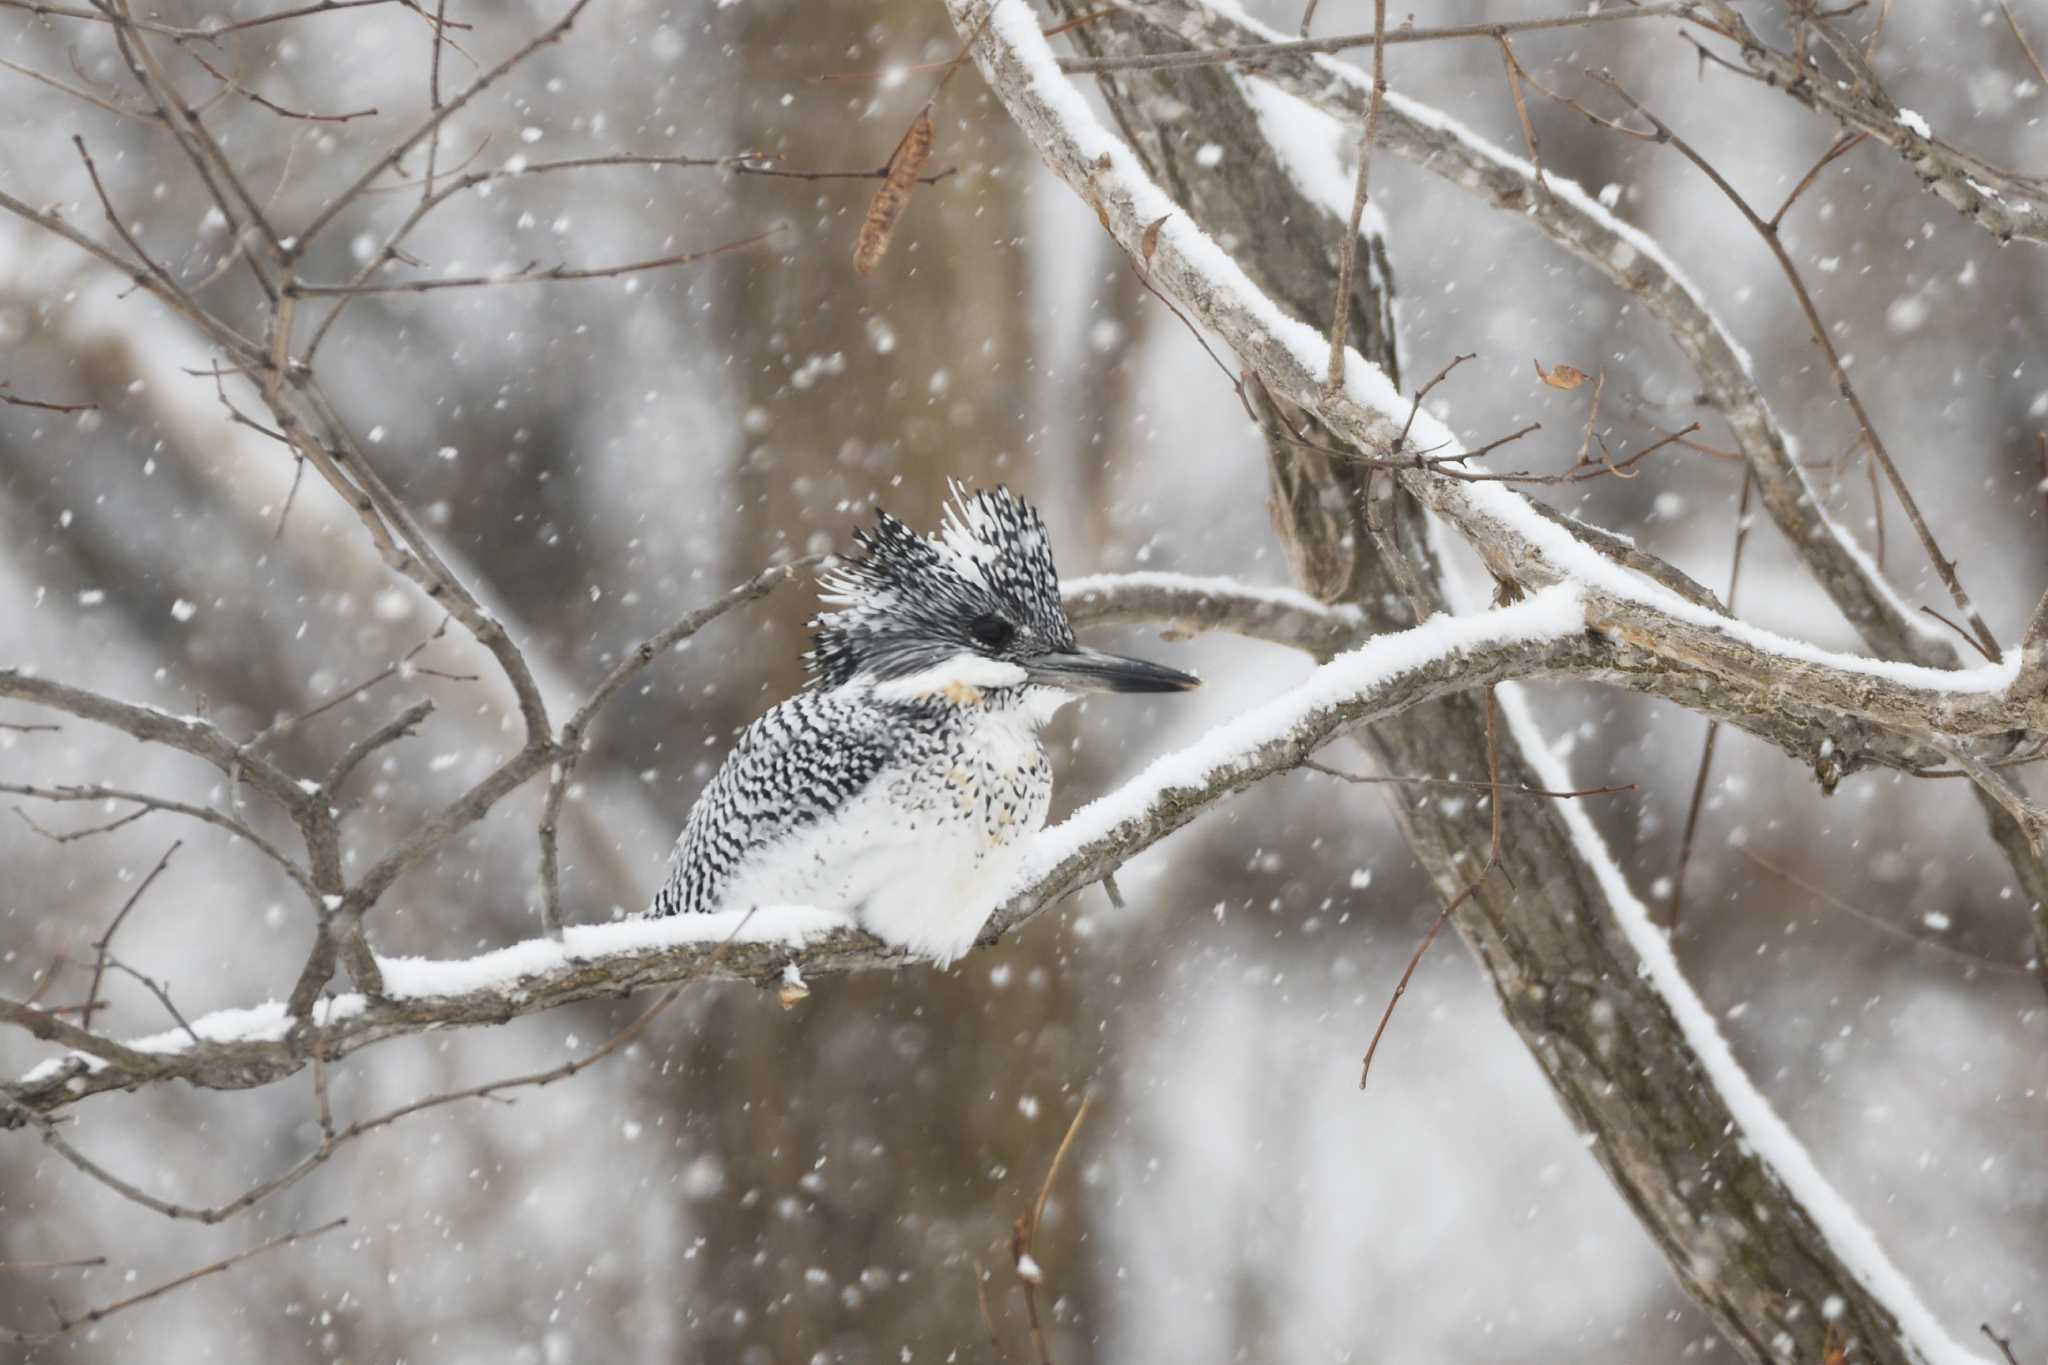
(67, 1324)
(1024, 1243)
(256, 98)
(1842, 145)
(82, 1263)
(1944, 567)
(1451, 784)
(1493, 861)
(2041, 74)
(105, 942)
(1415, 405)
(530, 275)
(2004, 1344)
(1883, 926)
(569, 744)
(1347, 251)
(1699, 781)
(879, 173)
(428, 125)
(162, 995)
(1259, 52)
(1514, 73)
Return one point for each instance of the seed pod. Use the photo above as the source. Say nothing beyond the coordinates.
(912, 155)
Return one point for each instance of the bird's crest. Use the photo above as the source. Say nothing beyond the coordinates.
(905, 602)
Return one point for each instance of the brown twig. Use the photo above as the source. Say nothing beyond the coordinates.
(2040, 74)
(308, 11)
(1842, 146)
(1451, 784)
(67, 1324)
(163, 997)
(148, 805)
(427, 126)
(530, 275)
(1944, 567)
(988, 1317)
(229, 82)
(569, 744)
(1962, 634)
(1415, 405)
(1514, 73)
(1878, 923)
(434, 97)
(82, 1263)
(1436, 926)
(2004, 1344)
(1347, 250)
(1024, 1241)
(391, 251)
(1699, 781)
(103, 946)
(1259, 52)
(879, 173)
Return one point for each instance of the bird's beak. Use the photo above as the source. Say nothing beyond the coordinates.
(1090, 670)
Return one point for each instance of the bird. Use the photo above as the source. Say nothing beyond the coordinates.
(900, 785)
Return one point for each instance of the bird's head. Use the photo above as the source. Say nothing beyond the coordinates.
(973, 609)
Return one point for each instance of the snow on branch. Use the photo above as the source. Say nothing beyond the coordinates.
(1631, 259)
(255, 1046)
(1519, 544)
(1526, 550)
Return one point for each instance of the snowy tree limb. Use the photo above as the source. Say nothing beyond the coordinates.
(1389, 674)
(1787, 1248)
(2008, 206)
(1571, 218)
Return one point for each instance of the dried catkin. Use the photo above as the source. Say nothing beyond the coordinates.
(886, 208)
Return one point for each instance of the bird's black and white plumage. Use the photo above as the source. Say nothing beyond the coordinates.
(899, 786)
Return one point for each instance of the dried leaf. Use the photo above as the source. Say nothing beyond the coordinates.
(913, 154)
(1150, 242)
(1563, 377)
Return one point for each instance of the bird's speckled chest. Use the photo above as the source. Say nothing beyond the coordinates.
(984, 771)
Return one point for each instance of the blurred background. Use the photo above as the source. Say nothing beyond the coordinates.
(753, 1184)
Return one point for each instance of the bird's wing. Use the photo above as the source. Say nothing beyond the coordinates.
(802, 760)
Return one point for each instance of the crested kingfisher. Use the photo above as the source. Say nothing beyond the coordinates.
(900, 785)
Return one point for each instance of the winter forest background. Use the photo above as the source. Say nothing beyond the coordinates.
(752, 1183)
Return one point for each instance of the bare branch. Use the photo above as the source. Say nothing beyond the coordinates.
(1943, 566)
(1347, 250)
(397, 152)
(569, 744)
(105, 941)
(529, 274)
(1248, 53)
(67, 1325)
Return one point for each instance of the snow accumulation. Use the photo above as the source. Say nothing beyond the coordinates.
(1765, 1133)
(1556, 608)
(1310, 145)
(1913, 123)
(1551, 614)
(1292, 599)
(506, 970)
(1308, 160)
(1368, 385)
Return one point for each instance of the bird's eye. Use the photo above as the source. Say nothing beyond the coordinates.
(991, 630)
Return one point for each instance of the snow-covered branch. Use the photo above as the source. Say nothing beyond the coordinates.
(1675, 1093)
(1636, 264)
(1391, 673)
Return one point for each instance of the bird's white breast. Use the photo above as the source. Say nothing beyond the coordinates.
(922, 855)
